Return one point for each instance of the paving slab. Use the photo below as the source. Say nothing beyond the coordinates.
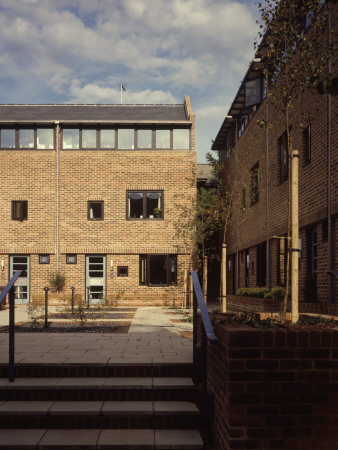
(127, 408)
(178, 439)
(126, 439)
(19, 438)
(25, 408)
(161, 408)
(69, 439)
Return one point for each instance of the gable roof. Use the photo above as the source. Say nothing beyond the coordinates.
(93, 113)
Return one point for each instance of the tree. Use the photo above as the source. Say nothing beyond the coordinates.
(294, 60)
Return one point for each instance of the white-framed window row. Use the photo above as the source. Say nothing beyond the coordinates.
(27, 138)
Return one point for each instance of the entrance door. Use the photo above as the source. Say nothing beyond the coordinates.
(21, 287)
(95, 278)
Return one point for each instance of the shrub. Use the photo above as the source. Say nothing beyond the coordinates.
(276, 293)
(57, 281)
(253, 292)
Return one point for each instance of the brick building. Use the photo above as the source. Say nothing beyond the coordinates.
(256, 244)
(90, 191)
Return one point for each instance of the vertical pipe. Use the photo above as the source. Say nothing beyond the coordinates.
(194, 338)
(224, 279)
(268, 282)
(11, 335)
(294, 237)
(46, 289)
(57, 194)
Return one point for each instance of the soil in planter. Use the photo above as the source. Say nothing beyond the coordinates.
(91, 315)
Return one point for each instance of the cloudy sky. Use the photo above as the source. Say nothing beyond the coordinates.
(80, 51)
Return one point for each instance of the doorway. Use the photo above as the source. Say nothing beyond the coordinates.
(21, 287)
(95, 278)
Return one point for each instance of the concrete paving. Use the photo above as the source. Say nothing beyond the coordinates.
(152, 338)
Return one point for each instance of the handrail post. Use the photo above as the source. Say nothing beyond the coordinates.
(73, 289)
(46, 289)
(11, 335)
(194, 335)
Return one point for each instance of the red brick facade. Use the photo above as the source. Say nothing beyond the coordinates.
(253, 243)
(58, 184)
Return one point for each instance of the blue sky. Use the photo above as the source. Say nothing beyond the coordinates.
(80, 51)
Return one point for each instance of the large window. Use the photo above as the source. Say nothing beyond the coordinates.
(126, 138)
(27, 138)
(144, 139)
(181, 139)
(88, 138)
(158, 270)
(163, 139)
(107, 138)
(145, 205)
(71, 138)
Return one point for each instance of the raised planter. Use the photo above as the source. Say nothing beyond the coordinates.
(274, 388)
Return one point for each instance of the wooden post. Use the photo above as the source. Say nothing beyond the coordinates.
(205, 278)
(224, 278)
(294, 237)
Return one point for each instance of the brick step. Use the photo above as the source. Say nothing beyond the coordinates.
(100, 415)
(100, 439)
(103, 370)
(98, 389)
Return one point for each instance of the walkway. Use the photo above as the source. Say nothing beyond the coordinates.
(152, 338)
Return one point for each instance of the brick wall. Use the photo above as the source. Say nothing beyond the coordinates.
(274, 388)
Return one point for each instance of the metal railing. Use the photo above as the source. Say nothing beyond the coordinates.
(200, 353)
(9, 289)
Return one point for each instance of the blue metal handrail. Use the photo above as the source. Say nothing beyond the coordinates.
(9, 289)
(200, 354)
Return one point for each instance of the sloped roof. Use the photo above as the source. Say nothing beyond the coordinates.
(93, 113)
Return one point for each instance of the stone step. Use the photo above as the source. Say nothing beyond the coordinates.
(43, 439)
(115, 368)
(98, 389)
(99, 414)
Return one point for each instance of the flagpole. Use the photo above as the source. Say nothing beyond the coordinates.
(121, 93)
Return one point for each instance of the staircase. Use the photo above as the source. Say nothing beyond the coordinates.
(99, 407)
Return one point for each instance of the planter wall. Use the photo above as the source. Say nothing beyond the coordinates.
(274, 388)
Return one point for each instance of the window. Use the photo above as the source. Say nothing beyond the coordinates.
(163, 139)
(181, 139)
(95, 210)
(158, 270)
(43, 259)
(70, 138)
(144, 205)
(20, 210)
(261, 264)
(281, 262)
(283, 157)
(144, 139)
(247, 267)
(107, 138)
(71, 259)
(45, 138)
(122, 271)
(7, 138)
(307, 143)
(126, 138)
(88, 138)
(254, 184)
(253, 89)
(243, 199)
(26, 138)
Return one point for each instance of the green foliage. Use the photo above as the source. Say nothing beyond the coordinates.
(305, 320)
(57, 281)
(276, 293)
(252, 292)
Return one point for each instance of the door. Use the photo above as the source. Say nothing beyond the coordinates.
(95, 278)
(21, 287)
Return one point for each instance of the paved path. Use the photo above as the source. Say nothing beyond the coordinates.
(152, 338)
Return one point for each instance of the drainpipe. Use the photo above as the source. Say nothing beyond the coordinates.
(329, 142)
(57, 194)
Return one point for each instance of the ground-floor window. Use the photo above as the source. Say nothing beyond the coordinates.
(158, 270)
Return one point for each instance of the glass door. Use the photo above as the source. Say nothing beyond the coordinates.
(21, 287)
(95, 278)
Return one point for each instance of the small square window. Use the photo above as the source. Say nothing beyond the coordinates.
(71, 259)
(43, 259)
(122, 271)
(95, 210)
(20, 210)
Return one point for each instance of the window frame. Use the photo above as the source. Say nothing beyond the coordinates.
(144, 270)
(93, 219)
(307, 139)
(41, 259)
(120, 271)
(17, 137)
(69, 258)
(144, 204)
(23, 210)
